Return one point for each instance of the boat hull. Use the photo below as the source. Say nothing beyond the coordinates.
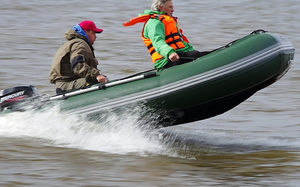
(206, 87)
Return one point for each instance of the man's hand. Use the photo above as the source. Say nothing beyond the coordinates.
(174, 57)
(101, 79)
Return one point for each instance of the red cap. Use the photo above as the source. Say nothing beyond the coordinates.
(89, 25)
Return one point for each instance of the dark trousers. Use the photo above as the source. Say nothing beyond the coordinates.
(186, 57)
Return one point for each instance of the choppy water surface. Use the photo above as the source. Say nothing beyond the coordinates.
(255, 144)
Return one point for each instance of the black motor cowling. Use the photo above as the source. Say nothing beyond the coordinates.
(11, 96)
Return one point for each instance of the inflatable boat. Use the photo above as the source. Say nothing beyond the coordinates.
(203, 88)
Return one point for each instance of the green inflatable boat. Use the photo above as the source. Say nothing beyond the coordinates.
(203, 88)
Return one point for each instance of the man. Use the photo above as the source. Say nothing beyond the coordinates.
(163, 37)
(74, 65)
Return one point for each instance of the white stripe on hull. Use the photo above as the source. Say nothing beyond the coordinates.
(188, 82)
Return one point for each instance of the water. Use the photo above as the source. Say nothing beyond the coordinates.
(255, 144)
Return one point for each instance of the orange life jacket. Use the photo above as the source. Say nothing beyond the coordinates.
(172, 37)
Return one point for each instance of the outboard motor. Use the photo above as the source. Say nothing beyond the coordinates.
(11, 96)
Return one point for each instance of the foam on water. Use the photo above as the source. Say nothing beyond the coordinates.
(126, 133)
(117, 134)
